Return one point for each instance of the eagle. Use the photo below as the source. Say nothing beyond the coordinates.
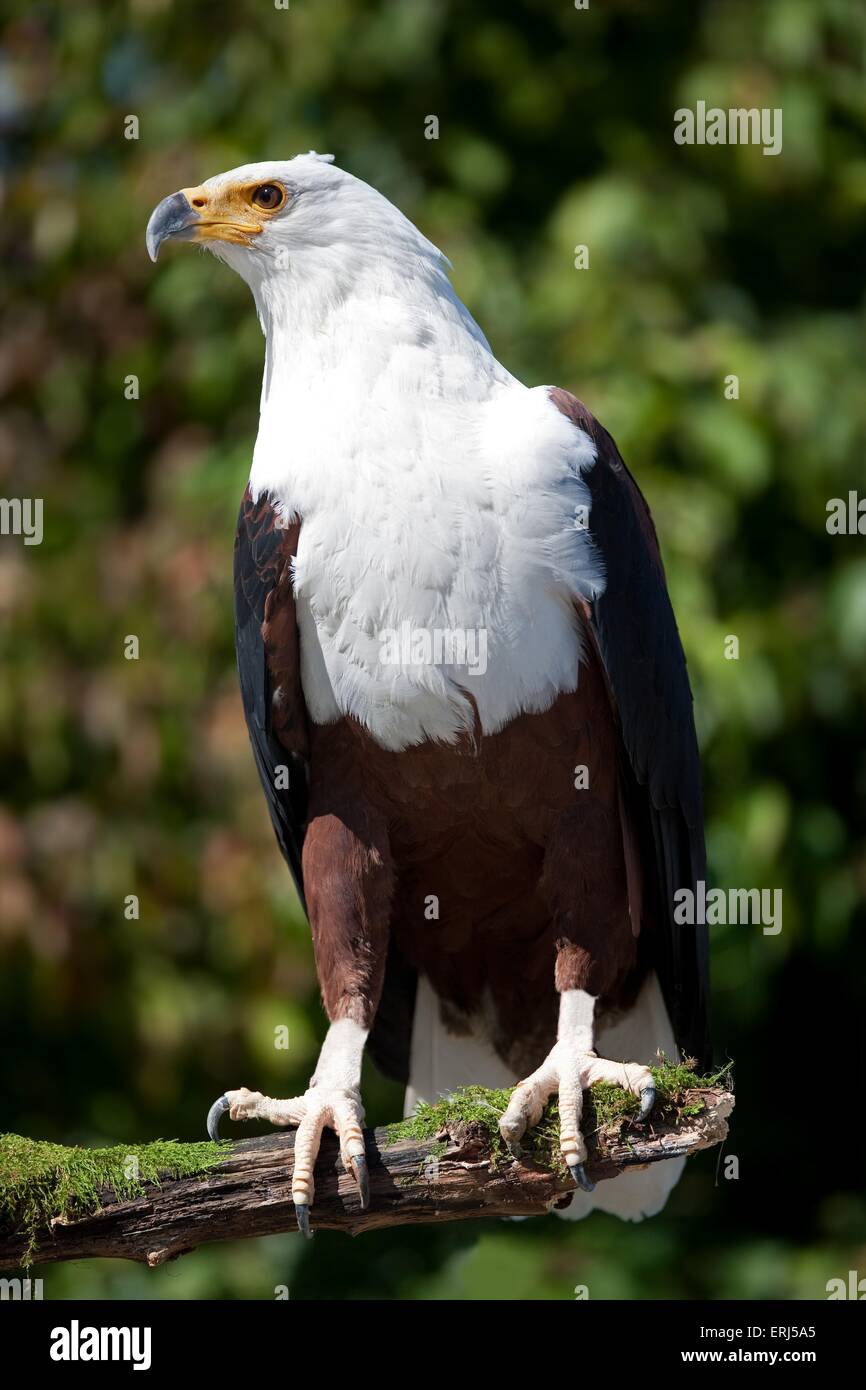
(464, 686)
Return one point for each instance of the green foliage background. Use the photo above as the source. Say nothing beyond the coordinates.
(124, 777)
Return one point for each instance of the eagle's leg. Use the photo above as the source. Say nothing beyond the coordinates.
(569, 1068)
(586, 885)
(349, 885)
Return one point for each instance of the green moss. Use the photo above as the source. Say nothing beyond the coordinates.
(607, 1104)
(477, 1108)
(41, 1181)
(471, 1107)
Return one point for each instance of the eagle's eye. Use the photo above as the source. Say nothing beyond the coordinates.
(269, 196)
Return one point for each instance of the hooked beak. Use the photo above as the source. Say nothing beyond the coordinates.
(203, 214)
(174, 216)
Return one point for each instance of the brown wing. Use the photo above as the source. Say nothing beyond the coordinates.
(636, 634)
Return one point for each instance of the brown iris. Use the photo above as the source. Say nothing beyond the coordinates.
(269, 196)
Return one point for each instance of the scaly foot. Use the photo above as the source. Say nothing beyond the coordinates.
(340, 1110)
(569, 1073)
(333, 1099)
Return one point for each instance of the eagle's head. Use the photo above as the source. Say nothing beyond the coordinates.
(297, 217)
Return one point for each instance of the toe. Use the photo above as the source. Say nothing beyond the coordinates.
(571, 1141)
(348, 1122)
(525, 1108)
(631, 1076)
(243, 1103)
(307, 1142)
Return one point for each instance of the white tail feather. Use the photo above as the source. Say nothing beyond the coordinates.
(440, 1062)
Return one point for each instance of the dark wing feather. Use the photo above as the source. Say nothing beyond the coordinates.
(266, 641)
(634, 627)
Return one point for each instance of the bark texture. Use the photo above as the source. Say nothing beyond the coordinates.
(448, 1178)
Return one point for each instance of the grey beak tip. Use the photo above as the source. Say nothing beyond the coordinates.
(169, 218)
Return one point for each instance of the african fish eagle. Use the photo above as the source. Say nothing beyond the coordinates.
(464, 687)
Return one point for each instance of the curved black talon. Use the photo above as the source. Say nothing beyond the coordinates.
(362, 1178)
(647, 1101)
(578, 1172)
(218, 1108)
(303, 1214)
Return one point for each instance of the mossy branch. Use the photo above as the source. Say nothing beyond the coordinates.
(154, 1202)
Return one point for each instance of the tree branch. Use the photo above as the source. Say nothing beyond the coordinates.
(412, 1181)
